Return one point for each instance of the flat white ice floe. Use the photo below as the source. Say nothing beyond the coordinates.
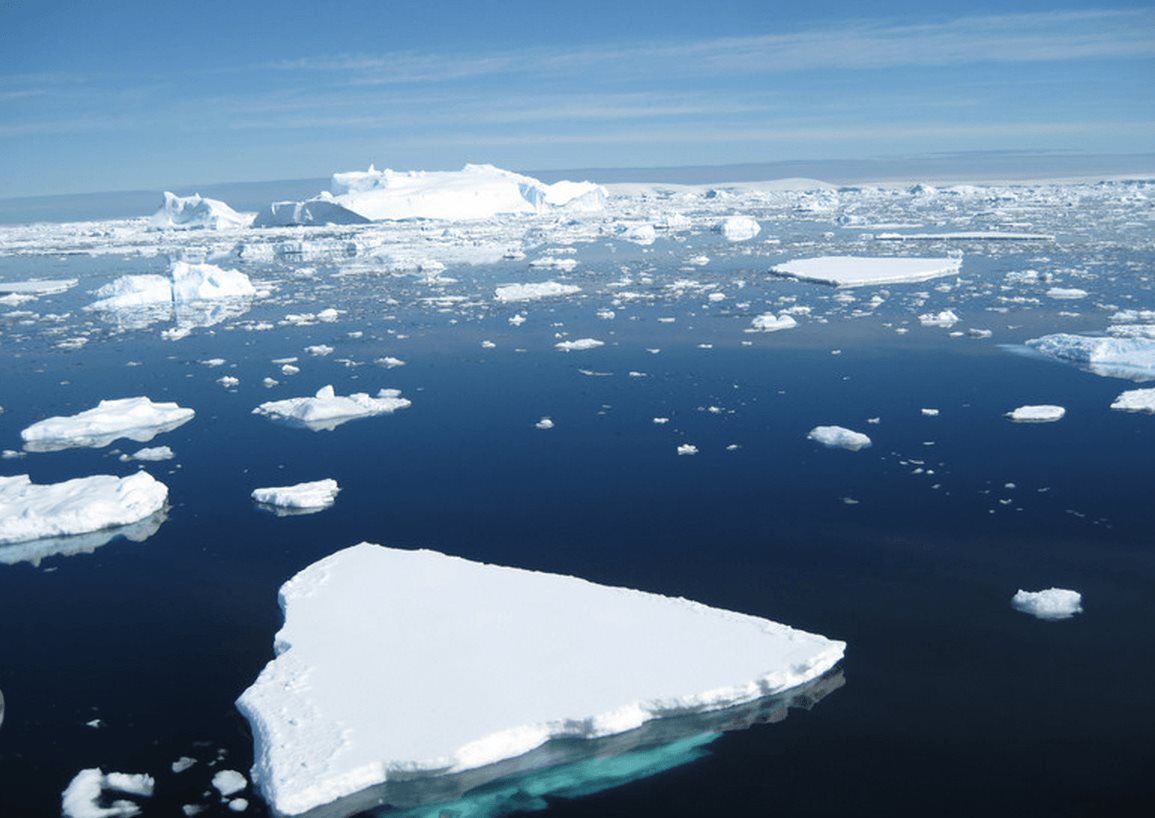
(856, 271)
(739, 228)
(579, 344)
(532, 292)
(327, 410)
(82, 798)
(38, 287)
(196, 212)
(316, 495)
(30, 511)
(945, 319)
(1040, 413)
(769, 322)
(1053, 603)
(1130, 358)
(396, 664)
(839, 437)
(1135, 400)
(138, 419)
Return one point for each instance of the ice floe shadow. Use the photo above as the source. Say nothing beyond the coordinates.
(34, 551)
(571, 768)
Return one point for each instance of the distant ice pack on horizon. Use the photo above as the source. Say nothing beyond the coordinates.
(472, 193)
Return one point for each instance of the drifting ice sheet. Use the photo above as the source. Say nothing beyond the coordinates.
(327, 410)
(137, 419)
(854, 271)
(1042, 413)
(32, 512)
(532, 292)
(385, 638)
(316, 495)
(1135, 400)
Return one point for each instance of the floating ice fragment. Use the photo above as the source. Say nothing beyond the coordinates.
(1053, 603)
(82, 797)
(544, 423)
(1135, 400)
(946, 318)
(739, 228)
(317, 495)
(389, 362)
(38, 287)
(138, 419)
(238, 804)
(319, 350)
(839, 437)
(1066, 293)
(1130, 358)
(930, 413)
(1041, 413)
(353, 618)
(183, 763)
(228, 381)
(196, 212)
(229, 782)
(532, 292)
(687, 448)
(326, 410)
(854, 271)
(579, 345)
(769, 322)
(151, 454)
(31, 511)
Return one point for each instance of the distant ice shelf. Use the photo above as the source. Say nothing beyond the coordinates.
(862, 271)
(139, 419)
(386, 637)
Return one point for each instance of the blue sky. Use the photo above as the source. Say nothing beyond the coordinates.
(141, 95)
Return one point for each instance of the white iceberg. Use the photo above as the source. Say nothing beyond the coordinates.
(839, 437)
(31, 511)
(856, 271)
(196, 212)
(327, 410)
(1041, 413)
(472, 193)
(1135, 400)
(138, 419)
(769, 322)
(1053, 603)
(945, 318)
(739, 228)
(367, 683)
(185, 283)
(133, 292)
(579, 344)
(1129, 358)
(314, 496)
(1066, 293)
(229, 782)
(82, 798)
(532, 292)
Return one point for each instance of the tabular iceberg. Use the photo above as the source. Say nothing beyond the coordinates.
(854, 271)
(314, 496)
(385, 638)
(1135, 400)
(30, 511)
(327, 410)
(195, 212)
(1042, 413)
(138, 419)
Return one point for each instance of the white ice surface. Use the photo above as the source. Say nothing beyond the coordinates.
(196, 212)
(1053, 603)
(579, 344)
(185, 283)
(839, 437)
(317, 494)
(1041, 413)
(394, 662)
(38, 287)
(1135, 400)
(532, 292)
(854, 271)
(229, 782)
(81, 799)
(30, 511)
(739, 228)
(1130, 358)
(327, 410)
(138, 419)
(945, 319)
(769, 322)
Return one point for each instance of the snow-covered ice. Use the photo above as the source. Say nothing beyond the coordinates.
(855, 271)
(769, 322)
(486, 676)
(1066, 293)
(1053, 603)
(1040, 413)
(327, 410)
(38, 286)
(30, 511)
(579, 344)
(1135, 400)
(186, 283)
(739, 228)
(84, 794)
(532, 292)
(196, 212)
(945, 319)
(229, 782)
(1130, 358)
(839, 437)
(318, 494)
(150, 454)
(138, 419)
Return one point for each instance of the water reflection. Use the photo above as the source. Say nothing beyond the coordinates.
(34, 551)
(571, 768)
(184, 315)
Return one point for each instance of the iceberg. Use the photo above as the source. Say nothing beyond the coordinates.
(739, 228)
(31, 511)
(327, 410)
(1129, 358)
(769, 322)
(195, 212)
(945, 319)
(36, 551)
(82, 798)
(532, 292)
(320, 211)
(579, 344)
(38, 286)
(385, 636)
(314, 496)
(1053, 603)
(839, 437)
(1042, 413)
(856, 271)
(185, 283)
(138, 419)
(1135, 400)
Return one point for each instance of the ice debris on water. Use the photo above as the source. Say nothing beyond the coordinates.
(138, 419)
(326, 410)
(318, 494)
(1053, 603)
(839, 437)
(30, 511)
(1135, 400)
(89, 788)
(1041, 413)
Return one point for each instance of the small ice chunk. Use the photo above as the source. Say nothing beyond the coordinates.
(769, 322)
(661, 421)
(389, 362)
(532, 292)
(229, 782)
(328, 315)
(1041, 413)
(839, 437)
(138, 419)
(82, 798)
(183, 763)
(239, 804)
(579, 344)
(1066, 293)
(739, 228)
(152, 454)
(1131, 358)
(228, 381)
(318, 494)
(687, 448)
(289, 369)
(946, 318)
(326, 410)
(319, 350)
(544, 423)
(1053, 603)
(1135, 400)
(930, 413)
(31, 511)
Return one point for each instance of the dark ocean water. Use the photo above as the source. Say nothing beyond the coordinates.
(951, 702)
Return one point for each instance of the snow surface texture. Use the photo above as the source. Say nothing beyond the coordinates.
(196, 212)
(318, 494)
(1053, 603)
(532, 292)
(1135, 400)
(327, 410)
(185, 283)
(839, 437)
(331, 714)
(1042, 413)
(1130, 358)
(138, 419)
(853, 271)
(475, 192)
(31, 511)
(82, 797)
